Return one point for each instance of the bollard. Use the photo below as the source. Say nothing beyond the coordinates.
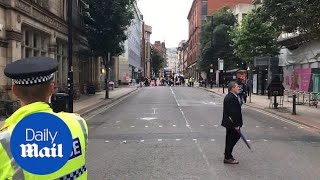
(294, 97)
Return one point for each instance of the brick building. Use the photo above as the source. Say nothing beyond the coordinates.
(161, 48)
(198, 13)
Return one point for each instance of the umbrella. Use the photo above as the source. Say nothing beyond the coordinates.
(243, 138)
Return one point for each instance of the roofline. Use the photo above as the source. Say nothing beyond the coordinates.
(191, 8)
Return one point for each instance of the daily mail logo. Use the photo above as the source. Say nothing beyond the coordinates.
(43, 148)
(55, 151)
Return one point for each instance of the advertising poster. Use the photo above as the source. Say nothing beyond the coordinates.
(301, 79)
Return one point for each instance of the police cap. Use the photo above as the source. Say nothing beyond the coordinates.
(31, 71)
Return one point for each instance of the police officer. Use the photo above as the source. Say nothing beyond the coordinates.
(33, 86)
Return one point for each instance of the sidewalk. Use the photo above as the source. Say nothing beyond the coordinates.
(87, 103)
(309, 116)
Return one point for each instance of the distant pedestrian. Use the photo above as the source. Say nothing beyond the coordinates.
(232, 121)
(211, 83)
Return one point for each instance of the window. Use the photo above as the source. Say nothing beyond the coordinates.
(61, 56)
(204, 4)
(35, 43)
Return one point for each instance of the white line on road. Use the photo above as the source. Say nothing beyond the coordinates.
(257, 126)
(194, 139)
(132, 126)
(109, 106)
(106, 141)
(178, 139)
(201, 125)
(212, 140)
(215, 125)
(160, 126)
(142, 140)
(265, 140)
(278, 117)
(174, 125)
(146, 126)
(159, 140)
(187, 123)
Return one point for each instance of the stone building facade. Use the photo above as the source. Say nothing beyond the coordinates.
(39, 28)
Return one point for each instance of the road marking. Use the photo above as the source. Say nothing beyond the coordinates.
(117, 121)
(159, 140)
(212, 140)
(215, 125)
(278, 117)
(248, 140)
(271, 127)
(160, 126)
(154, 110)
(142, 140)
(104, 127)
(106, 141)
(257, 126)
(132, 126)
(125, 142)
(188, 125)
(178, 139)
(148, 118)
(265, 140)
(201, 125)
(196, 142)
(174, 125)
(108, 106)
(194, 139)
(146, 126)
(285, 128)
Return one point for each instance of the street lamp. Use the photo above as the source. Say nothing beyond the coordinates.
(70, 54)
(221, 68)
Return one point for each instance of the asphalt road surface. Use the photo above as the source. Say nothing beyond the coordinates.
(175, 133)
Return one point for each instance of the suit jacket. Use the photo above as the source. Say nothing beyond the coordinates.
(232, 115)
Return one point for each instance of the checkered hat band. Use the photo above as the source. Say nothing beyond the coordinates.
(75, 174)
(33, 80)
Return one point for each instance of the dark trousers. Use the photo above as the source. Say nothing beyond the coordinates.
(232, 138)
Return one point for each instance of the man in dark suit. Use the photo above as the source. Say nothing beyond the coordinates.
(232, 120)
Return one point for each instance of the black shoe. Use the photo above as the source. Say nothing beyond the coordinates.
(231, 161)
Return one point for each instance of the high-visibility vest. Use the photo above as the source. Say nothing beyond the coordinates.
(75, 168)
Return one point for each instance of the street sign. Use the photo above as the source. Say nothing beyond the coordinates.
(220, 64)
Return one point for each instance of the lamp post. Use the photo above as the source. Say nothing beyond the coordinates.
(221, 68)
(70, 54)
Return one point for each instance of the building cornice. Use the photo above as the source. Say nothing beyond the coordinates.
(13, 35)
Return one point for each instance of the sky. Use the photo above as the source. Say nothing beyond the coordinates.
(168, 19)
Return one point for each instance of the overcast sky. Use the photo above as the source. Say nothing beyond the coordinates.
(168, 19)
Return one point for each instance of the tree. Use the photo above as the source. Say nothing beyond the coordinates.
(157, 61)
(106, 22)
(254, 38)
(215, 40)
(293, 15)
